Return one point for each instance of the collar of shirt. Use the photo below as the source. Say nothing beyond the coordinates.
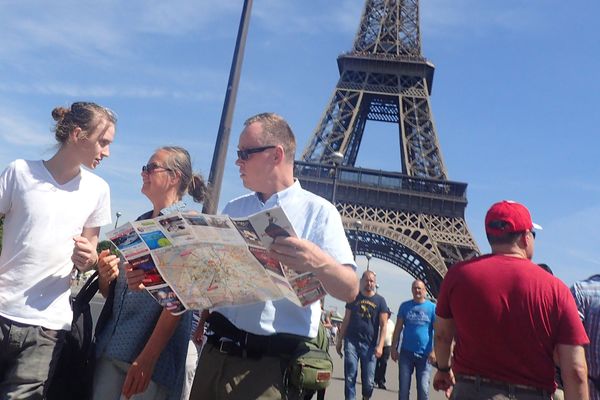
(276, 198)
(173, 208)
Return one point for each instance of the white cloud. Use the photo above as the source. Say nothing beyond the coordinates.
(102, 32)
(17, 129)
(80, 91)
(183, 16)
(289, 17)
(72, 30)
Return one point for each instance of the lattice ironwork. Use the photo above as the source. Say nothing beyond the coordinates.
(413, 218)
(389, 28)
(343, 123)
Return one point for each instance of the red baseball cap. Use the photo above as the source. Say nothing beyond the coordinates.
(508, 216)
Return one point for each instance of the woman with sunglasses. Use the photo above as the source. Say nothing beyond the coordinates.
(53, 212)
(141, 350)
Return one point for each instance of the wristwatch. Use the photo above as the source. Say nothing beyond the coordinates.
(441, 369)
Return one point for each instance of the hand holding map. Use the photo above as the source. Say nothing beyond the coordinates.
(197, 261)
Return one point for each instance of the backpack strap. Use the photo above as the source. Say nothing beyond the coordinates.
(87, 292)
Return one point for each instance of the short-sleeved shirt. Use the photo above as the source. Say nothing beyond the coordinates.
(587, 298)
(509, 316)
(364, 318)
(41, 219)
(314, 219)
(417, 333)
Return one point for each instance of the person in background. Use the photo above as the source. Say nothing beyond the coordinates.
(53, 212)
(587, 298)
(194, 348)
(334, 332)
(558, 393)
(505, 349)
(141, 352)
(415, 320)
(381, 365)
(326, 321)
(363, 333)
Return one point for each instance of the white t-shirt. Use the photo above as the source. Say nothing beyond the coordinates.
(41, 219)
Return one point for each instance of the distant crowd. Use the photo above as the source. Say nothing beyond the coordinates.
(502, 327)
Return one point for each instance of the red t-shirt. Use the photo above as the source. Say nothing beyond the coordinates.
(509, 315)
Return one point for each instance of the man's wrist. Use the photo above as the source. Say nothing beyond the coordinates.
(441, 368)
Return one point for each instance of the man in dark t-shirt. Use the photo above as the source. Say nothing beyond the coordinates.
(365, 320)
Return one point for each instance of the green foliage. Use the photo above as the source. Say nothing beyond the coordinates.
(107, 245)
(103, 245)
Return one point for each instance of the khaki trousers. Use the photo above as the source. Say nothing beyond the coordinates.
(473, 391)
(226, 377)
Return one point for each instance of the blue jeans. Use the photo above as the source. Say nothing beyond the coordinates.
(353, 352)
(408, 362)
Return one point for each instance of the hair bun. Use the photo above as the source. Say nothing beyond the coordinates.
(59, 113)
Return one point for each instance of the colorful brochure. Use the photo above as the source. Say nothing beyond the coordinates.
(198, 261)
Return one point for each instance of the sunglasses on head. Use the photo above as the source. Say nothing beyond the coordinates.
(245, 154)
(150, 168)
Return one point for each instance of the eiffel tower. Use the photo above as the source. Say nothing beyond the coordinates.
(412, 218)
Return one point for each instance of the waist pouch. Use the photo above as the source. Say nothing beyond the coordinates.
(310, 366)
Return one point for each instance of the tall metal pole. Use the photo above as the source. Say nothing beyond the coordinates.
(336, 159)
(357, 226)
(215, 179)
(118, 214)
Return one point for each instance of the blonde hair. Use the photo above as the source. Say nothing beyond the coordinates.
(180, 162)
(83, 115)
(276, 131)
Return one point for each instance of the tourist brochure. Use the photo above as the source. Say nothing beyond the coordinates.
(198, 261)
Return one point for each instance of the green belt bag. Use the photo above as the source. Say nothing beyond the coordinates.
(311, 366)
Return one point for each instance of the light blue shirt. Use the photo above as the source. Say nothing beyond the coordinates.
(417, 333)
(314, 219)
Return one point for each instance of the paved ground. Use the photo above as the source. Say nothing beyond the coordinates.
(336, 389)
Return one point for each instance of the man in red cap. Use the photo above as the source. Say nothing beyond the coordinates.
(511, 320)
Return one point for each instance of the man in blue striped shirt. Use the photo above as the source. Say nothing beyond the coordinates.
(587, 298)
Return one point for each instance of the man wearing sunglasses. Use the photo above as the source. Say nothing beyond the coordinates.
(513, 320)
(246, 356)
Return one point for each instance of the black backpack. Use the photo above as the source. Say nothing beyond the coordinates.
(74, 372)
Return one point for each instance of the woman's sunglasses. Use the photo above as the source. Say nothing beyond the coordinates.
(150, 168)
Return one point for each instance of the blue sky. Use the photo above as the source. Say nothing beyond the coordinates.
(514, 96)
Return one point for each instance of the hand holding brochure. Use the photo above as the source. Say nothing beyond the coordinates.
(198, 261)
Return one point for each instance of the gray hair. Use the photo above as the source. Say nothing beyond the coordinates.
(180, 162)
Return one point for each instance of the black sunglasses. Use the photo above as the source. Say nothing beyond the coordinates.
(150, 168)
(245, 154)
(532, 233)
